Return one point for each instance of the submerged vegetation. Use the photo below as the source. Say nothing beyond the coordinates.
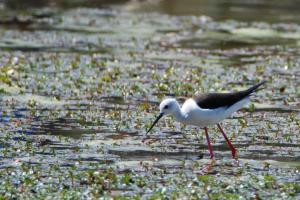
(80, 86)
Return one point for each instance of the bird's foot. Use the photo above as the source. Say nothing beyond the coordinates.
(233, 163)
(236, 163)
(207, 168)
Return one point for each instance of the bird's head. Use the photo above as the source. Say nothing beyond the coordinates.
(166, 107)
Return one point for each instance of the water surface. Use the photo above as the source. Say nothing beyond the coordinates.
(81, 82)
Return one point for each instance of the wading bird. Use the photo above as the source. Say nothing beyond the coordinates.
(207, 109)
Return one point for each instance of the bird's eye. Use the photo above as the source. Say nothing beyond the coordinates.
(166, 107)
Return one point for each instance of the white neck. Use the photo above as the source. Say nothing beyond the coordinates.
(179, 115)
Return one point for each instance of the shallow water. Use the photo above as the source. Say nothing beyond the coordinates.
(79, 87)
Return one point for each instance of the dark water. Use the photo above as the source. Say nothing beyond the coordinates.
(248, 11)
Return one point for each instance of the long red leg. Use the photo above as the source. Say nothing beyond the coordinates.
(233, 150)
(208, 143)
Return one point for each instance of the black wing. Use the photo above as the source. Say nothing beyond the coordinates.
(216, 100)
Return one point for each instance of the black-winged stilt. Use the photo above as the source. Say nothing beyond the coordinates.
(207, 109)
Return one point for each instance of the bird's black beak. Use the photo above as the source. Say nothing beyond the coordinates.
(156, 120)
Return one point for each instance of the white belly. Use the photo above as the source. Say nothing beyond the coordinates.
(194, 115)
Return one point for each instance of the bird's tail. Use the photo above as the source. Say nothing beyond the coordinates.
(255, 87)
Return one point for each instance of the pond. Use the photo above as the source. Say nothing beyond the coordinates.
(80, 83)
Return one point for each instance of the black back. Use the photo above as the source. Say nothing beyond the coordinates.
(216, 100)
